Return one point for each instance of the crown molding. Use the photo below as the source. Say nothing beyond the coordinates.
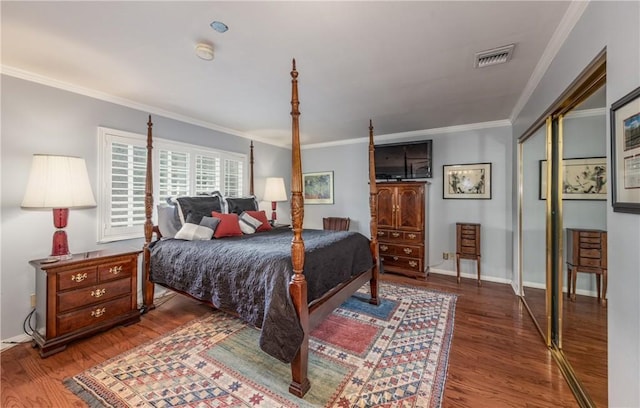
(414, 133)
(568, 22)
(92, 93)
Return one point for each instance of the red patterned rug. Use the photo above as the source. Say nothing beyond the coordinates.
(391, 355)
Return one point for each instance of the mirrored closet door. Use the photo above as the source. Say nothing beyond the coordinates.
(562, 232)
(583, 338)
(533, 229)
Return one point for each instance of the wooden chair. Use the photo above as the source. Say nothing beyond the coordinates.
(335, 223)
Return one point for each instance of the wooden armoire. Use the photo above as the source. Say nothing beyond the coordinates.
(402, 227)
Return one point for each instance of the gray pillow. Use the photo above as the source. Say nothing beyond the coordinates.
(210, 222)
(168, 221)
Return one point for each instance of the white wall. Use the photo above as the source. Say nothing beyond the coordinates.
(41, 119)
(613, 25)
(494, 145)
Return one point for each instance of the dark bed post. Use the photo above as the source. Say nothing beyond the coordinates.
(148, 224)
(251, 169)
(298, 285)
(373, 223)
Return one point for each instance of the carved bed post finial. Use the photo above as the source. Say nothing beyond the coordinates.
(148, 224)
(298, 286)
(373, 223)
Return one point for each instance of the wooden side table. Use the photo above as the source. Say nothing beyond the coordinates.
(468, 245)
(91, 292)
(587, 252)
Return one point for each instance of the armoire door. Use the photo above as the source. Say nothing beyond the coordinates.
(409, 208)
(386, 207)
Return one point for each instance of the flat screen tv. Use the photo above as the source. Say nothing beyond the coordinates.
(403, 161)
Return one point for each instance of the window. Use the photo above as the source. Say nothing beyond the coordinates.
(179, 169)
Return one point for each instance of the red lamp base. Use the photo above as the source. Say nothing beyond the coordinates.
(60, 246)
(273, 212)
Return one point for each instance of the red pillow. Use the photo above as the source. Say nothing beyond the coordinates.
(228, 226)
(260, 216)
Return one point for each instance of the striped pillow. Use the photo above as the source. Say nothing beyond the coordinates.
(248, 224)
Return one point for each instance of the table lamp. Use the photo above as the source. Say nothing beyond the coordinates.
(274, 191)
(58, 183)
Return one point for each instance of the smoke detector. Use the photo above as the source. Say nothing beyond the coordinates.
(495, 56)
(204, 51)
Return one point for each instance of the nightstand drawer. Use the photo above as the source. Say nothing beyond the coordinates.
(92, 294)
(115, 270)
(92, 315)
(77, 278)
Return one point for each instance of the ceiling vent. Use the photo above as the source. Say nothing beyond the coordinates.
(495, 56)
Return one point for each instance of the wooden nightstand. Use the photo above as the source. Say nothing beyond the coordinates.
(468, 245)
(91, 292)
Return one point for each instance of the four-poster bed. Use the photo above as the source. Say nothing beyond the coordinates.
(293, 289)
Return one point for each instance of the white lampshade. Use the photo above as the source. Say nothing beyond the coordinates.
(58, 182)
(274, 189)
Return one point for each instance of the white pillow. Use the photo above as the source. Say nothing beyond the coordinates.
(194, 232)
(248, 224)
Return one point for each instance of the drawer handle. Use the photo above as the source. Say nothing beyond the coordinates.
(115, 269)
(98, 292)
(395, 234)
(79, 277)
(412, 236)
(395, 258)
(98, 312)
(408, 251)
(383, 247)
(380, 233)
(413, 264)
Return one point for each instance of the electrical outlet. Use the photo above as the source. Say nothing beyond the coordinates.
(445, 255)
(452, 255)
(33, 300)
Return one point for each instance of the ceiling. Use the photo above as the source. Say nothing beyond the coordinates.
(409, 66)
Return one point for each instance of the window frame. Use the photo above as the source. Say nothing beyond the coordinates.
(107, 136)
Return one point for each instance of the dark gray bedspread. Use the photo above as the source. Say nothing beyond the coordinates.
(250, 275)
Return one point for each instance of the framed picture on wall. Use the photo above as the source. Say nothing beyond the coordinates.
(317, 188)
(467, 181)
(625, 153)
(582, 179)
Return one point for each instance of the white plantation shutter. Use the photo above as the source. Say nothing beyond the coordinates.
(207, 174)
(233, 177)
(128, 164)
(121, 181)
(179, 169)
(174, 174)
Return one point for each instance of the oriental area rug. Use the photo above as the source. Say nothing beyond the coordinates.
(391, 355)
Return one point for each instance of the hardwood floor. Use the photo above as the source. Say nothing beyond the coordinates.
(497, 358)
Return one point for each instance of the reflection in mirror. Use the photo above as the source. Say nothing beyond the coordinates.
(584, 329)
(533, 219)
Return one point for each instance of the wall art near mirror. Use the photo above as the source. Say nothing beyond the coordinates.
(469, 181)
(625, 153)
(582, 179)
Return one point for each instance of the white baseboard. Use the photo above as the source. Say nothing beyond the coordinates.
(14, 341)
(470, 276)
